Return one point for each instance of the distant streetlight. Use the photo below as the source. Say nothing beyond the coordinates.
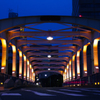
(49, 56)
(37, 83)
(37, 79)
(45, 75)
(49, 69)
(49, 38)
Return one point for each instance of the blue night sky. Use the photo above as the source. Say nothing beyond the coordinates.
(36, 7)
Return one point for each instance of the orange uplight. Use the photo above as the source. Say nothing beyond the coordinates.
(85, 57)
(70, 69)
(3, 63)
(73, 65)
(68, 74)
(14, 59)
(24, 57)
(64, 77)
(67, 66)
(24, 66)
(30, 66)
(95, 51)
(32, 70)
(30, 74)
(78, 62)
(33, 76)
(27, 69)
(20, 61)
(27, 62)
(65, 70)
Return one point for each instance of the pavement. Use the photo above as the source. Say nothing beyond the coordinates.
(51, 93)
(2, 89)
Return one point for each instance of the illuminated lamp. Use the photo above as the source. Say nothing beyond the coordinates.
(45, 75)
(85, 71)
(49, 38)
(95, 83)
(48, 68)
(80, 15)
(49, 56)
(1, 83)
(97, 67)
(98, 83)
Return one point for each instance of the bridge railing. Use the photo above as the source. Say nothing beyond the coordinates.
(91, 80)
(4, 77)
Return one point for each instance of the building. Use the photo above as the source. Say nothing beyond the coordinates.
(86, 8)
(12, 15)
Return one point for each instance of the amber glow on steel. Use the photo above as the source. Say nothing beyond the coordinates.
(85, 57)
(13, 59)
(73, 59)
(28, 69)
(24, 66)
(20, 62)
(33, 77)
(30, 66)
(65, 75)
(78, 62)
(95, 51)
(32, 70)
(70, 69)
(3, 63)
(67, 72)
(30, 74)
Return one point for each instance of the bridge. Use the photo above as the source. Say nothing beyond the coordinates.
(77, 60)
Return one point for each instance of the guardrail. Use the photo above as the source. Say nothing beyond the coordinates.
(91, 80)
(4, 77)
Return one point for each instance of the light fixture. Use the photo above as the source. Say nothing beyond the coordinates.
(85, 71)
(78, 75)
(45, 75)
(49, 69)
(13, 72)
(19, 75)
(37, 83)
(50, 38)
(37, 79)
(2, 67)
(49, 56)
(97, 67)
(80, 15)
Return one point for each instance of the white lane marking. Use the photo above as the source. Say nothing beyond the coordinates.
(28, 90)
(85, 90)
(96, 93)
(95, 90)
(38, 93)
(42, 94)
(10, 94)
(69, 90)
(72, 94)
